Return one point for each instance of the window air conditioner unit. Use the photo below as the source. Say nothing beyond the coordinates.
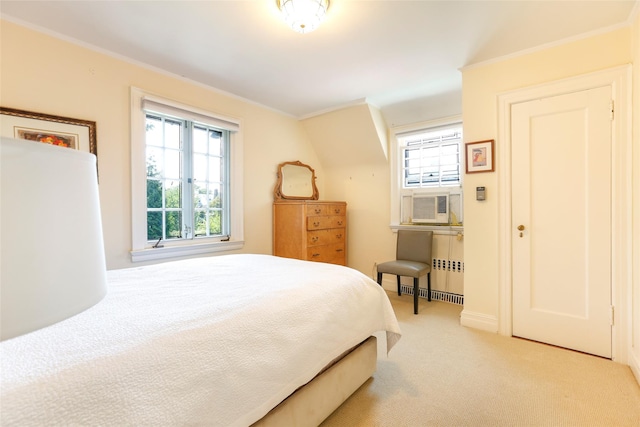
(430, 209)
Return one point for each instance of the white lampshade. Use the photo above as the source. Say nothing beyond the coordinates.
(303, 16)
(52, 263)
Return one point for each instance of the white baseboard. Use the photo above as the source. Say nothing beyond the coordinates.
(479, 321)
(634, 364)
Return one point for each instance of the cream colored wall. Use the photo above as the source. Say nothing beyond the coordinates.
(635, 301)
(47, 75)
(481, 86)
(366, 190)
(352, 146)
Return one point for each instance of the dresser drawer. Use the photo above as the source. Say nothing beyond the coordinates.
(323, 222)
(326, 237)
(317, 209)
(322, 209)
(328, 253)
(336, 209)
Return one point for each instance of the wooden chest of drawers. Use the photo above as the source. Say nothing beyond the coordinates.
(310, 230)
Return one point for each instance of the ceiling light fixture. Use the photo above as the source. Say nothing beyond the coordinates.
(303, 16)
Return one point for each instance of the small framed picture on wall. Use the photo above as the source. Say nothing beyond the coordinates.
(479, 156)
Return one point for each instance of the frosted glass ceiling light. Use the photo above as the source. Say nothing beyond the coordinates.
(303, 16)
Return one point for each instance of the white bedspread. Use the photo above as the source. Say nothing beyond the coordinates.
(213, 341)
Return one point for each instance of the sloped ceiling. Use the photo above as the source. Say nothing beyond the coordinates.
(370, 64)
(396, 55)
(353, 135)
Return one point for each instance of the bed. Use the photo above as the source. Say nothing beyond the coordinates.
(228, 340)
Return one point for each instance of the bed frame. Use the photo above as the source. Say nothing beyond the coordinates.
(315, 401)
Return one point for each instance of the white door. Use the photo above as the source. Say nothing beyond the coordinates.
(561, 216)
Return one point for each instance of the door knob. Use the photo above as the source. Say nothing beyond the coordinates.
(521, 227)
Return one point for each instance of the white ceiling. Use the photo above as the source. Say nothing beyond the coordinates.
(401, 56)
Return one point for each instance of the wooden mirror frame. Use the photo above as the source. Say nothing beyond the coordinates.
(278, 193)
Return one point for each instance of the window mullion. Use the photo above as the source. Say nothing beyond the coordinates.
(226, 219)
(440, 163)
(163, 180)
(187, 181)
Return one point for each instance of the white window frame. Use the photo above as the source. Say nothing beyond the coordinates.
(141, 248)
(395, 154)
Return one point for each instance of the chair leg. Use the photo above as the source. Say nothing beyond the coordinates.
(399, 287)
(416, 291)
(429, 286)
(380, 279)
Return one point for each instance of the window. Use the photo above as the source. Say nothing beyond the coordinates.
(186, 180)
(426, 159)
(431, 158)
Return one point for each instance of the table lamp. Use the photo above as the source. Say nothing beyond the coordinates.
(52, 263)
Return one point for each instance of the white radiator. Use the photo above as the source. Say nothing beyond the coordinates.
(435, 295)
(447, 272)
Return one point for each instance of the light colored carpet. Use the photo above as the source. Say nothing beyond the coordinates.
(444, 374)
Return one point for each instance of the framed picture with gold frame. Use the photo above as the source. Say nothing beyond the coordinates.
(49, 129)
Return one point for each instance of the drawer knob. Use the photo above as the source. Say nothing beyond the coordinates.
(315, 255)
(339, 236)
(337, 210)
(316, 223)
(318, 210)
(339, 222)
(338, 250)
(314, 239)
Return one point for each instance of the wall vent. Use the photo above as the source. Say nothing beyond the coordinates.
(435, 295)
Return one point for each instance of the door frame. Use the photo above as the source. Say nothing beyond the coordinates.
(618, 79)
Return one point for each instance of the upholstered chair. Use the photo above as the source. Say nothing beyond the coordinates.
(413, 259)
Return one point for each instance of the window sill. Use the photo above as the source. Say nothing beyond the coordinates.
(175, 251)
(437, 229)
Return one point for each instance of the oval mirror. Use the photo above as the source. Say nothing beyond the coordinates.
(296, 181)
